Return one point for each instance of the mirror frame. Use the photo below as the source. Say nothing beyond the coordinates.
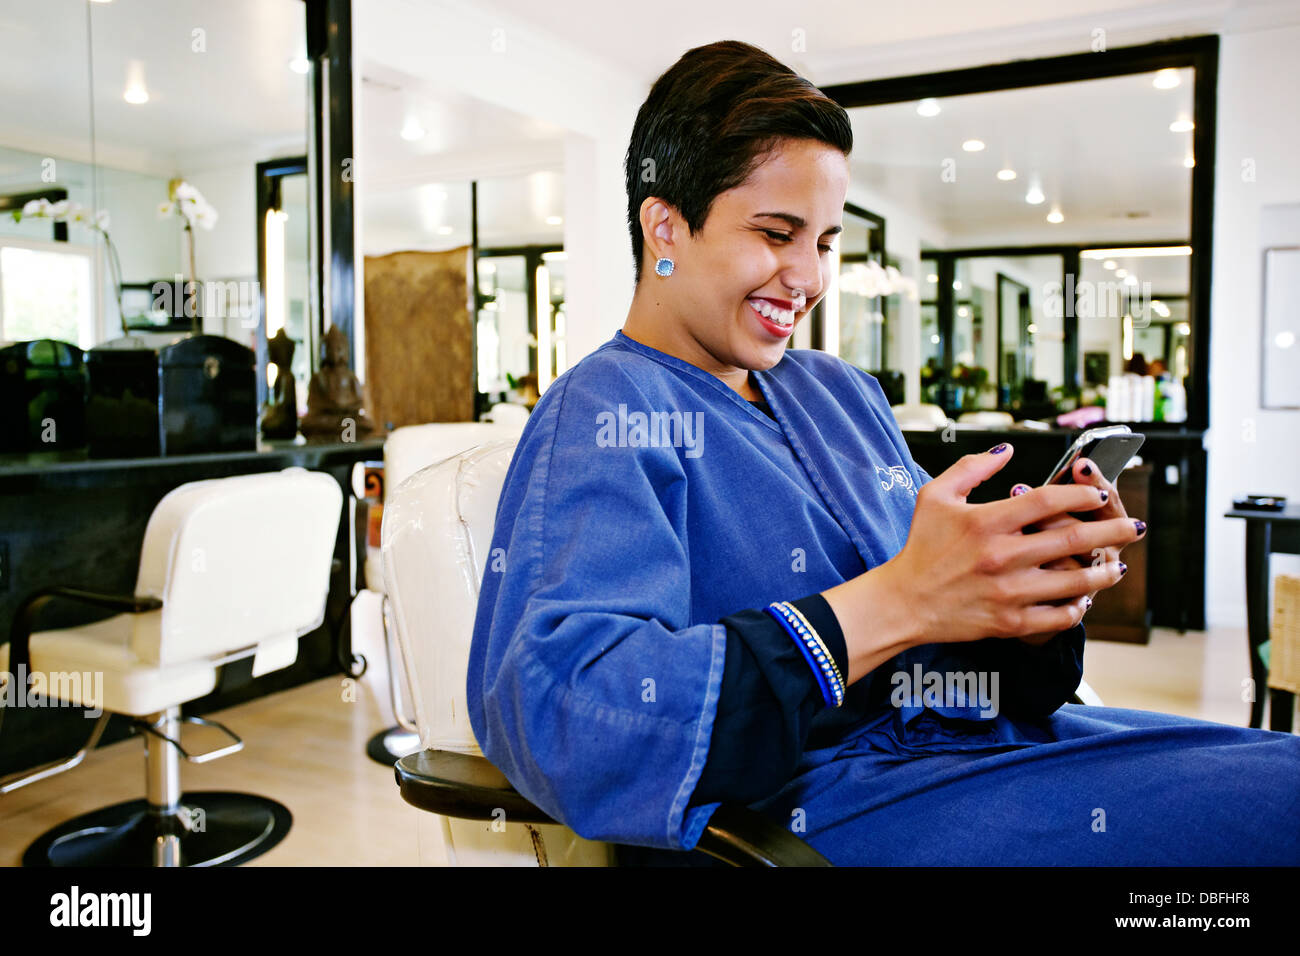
(1201, 53)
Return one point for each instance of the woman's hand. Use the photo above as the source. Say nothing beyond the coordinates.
(1086, 472)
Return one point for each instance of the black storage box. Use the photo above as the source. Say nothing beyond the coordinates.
(197, 394)
(42, 397)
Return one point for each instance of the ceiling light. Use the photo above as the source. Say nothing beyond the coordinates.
(1130, 279)
(956, 285)
(1055, 216)
(1159, 308)
(300, 64)
(1189, 161)
(1166, 79)
(1137, 252)
(973, 145)
(135, 89)
(1183, 328)
(1006, 175)
(928, 107)
(1181, 126)
(932, 278)
(1034, 196)
(934, 339)
(963, 311)
(1032, 329)
(1120, 273)
(554, 220)
(1108, 264)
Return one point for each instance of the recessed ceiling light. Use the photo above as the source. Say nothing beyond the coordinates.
(1120, 273)
(554, 220)
(1108, 264)
(135, 91)
(957, 284)
(1034, 196)
(445, 230)
(928, 107)
(1189, 161)
(932, 278)
(1166, 79)
(1159, 308)
(1031, 328)
(1006, 175)
(1130, 280)
(973, 145)
(1181, 126)
(412, 130)
(963, 311)
(934, 339)
(300, 64)
(1055, 216)
(1183, 328)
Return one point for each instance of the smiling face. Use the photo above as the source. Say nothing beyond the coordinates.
(762, 241)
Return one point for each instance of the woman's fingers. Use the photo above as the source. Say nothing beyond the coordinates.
(1042, 586)
(1082, 540)
(1039, 504)
(1086, 472)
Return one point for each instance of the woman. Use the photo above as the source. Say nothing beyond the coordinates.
(722, 577)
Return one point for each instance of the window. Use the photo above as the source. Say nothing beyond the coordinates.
(46, 293)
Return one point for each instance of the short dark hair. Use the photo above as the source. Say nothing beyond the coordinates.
(710, 120)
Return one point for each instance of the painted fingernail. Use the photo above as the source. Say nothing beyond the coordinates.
(1123, 568)
(1087, 603)
(1086, 469)
(1104, 496)
(998, 449)
(1018, 490)
(1141, 527)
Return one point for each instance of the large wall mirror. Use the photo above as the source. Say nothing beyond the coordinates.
(146, 128)
(1057, 208)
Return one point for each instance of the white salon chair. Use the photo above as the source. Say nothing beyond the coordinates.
(437, 530)
(406, 451)
(232, 572)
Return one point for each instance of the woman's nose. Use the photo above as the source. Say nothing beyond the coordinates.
(804, 271)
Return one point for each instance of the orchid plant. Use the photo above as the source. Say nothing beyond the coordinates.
(188, 203)
(66, 211)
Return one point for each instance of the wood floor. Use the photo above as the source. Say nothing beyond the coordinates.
(306, 748)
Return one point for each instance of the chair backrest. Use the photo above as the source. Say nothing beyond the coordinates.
(437, 529)
(237, 562)
(413, 447)
(437, 533)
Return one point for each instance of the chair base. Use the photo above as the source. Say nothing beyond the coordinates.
(391, 745)
(236, 827)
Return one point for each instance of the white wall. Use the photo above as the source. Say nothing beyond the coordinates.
(1251, 450)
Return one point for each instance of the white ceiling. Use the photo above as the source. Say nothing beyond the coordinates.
(1101, 151)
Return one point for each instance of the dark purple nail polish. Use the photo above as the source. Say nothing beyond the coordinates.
(1104, 496)
(1019, 490)
(998, 449)
(1123, 569)
(1086, 469)
(1087, 602)
(1141, 527)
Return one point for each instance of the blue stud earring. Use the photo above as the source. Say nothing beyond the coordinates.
(664, 267)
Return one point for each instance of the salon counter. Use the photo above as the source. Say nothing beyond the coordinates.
(66, 519)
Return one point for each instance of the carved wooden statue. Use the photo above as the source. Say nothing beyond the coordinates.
(279, 417)
(334, 397)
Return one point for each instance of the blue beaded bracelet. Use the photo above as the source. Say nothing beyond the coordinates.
(814, 651)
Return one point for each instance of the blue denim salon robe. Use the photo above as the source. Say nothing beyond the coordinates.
(647, 500)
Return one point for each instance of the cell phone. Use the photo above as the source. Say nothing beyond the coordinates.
(1110, 449)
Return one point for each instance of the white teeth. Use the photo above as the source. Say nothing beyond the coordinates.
(769, 311)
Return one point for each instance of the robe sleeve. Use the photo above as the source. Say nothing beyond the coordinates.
(588, 687)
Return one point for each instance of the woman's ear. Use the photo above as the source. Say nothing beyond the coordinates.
(659, 223)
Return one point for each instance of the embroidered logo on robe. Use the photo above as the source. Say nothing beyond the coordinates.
(896, 476)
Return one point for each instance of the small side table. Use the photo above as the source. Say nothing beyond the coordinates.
(1267, 533)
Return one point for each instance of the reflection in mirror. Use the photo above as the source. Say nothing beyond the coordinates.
(166, 189)
(1008, 194)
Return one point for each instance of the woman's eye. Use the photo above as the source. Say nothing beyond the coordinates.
(787, 237)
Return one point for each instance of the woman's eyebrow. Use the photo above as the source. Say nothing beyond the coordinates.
(798, 222)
